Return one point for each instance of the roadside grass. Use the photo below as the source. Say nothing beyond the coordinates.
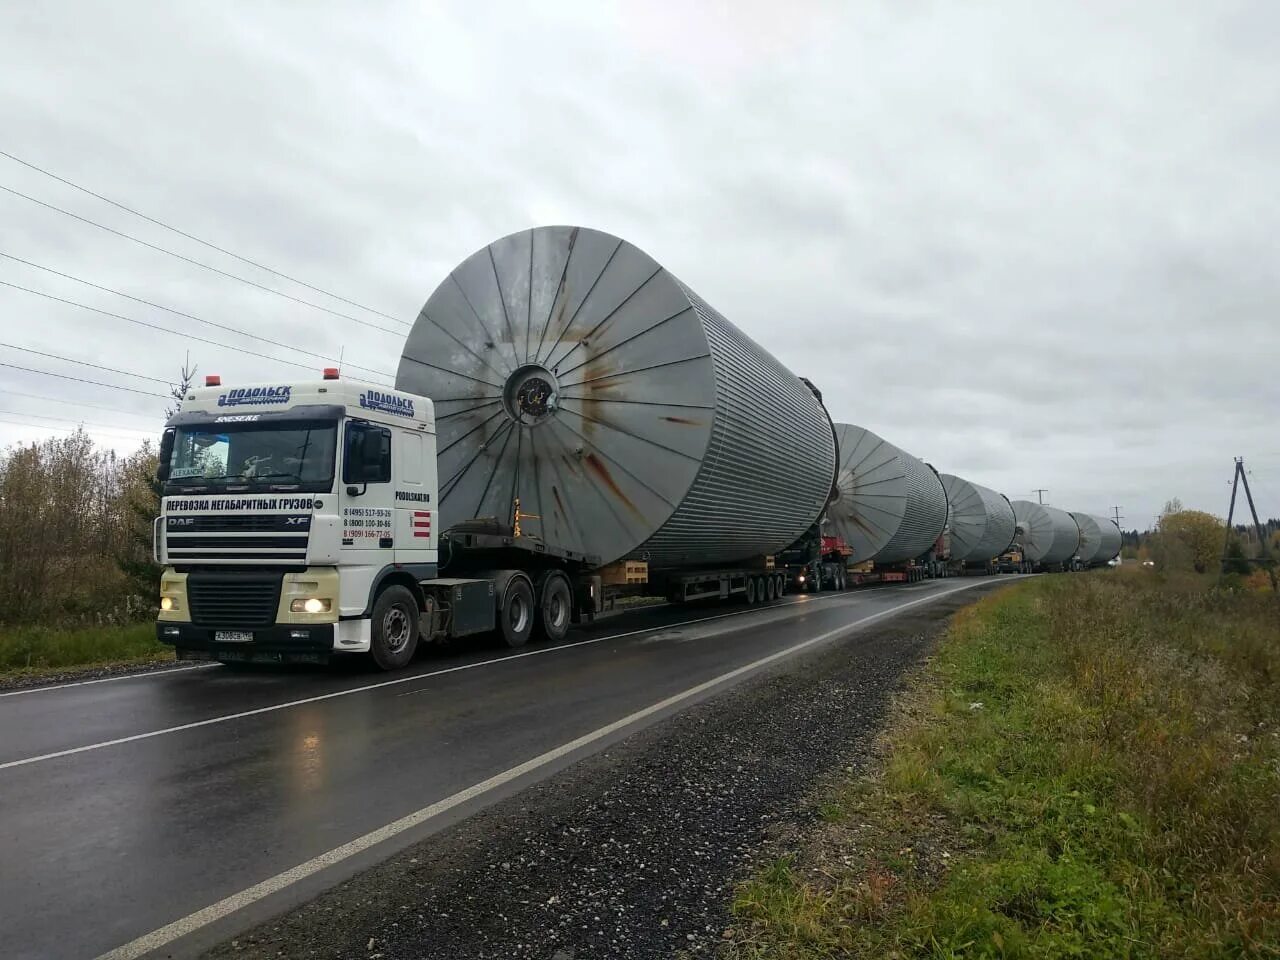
(33, 650)
(1089, 767)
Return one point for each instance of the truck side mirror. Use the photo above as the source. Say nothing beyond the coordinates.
(165, 455)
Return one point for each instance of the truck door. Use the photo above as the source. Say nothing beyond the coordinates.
(367, 515)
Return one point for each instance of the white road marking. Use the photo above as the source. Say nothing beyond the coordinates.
(237, 901)
(127, 676)
(384, 683)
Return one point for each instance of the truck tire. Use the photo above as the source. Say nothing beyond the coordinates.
(770, 590)
(555, 607)
(393, 635)
(751, 591)
(516, 613)
(780, 586)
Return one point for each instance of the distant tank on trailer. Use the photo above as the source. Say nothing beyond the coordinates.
(1099, 539)
(1049, 537)
(889, 506)
(981, 522)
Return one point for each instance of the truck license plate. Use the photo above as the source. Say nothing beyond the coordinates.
(232, 636)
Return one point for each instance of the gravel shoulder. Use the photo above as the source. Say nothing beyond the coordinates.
(53, 676)
(634, 852)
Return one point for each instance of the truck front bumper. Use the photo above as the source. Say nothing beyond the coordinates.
(286, 643)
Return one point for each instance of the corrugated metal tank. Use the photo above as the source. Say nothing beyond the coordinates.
(1099, 538)
(889, 506)
(571, 370)
(1047, 534)
(981, 520)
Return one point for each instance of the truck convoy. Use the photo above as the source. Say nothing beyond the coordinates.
(569, 421)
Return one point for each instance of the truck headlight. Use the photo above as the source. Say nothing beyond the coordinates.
(311, 605)
(166, 603)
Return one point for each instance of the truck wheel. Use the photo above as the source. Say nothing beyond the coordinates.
(555, 608)
(770, 590)
(515, 617)
(841, 582)
(393, 634)
(751, 591)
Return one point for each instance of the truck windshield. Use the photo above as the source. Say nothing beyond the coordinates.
(293, 455)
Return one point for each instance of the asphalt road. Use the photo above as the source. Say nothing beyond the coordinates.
(167, 811)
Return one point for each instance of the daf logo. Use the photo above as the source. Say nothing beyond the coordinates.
(294, 521)
(181, 521)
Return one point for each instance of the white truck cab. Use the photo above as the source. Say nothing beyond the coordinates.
(288, 510)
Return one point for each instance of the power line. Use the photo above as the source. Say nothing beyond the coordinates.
(203, 265)
(87, 423)
(96, 383)
(152, 326)
(189, 316)
(50, 426)
(206, 243)
(84, 363)
(74, 403)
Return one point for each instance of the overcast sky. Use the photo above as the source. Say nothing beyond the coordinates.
(1037, 244)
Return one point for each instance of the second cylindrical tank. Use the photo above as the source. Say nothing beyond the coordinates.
(1099, 538)
(982, 523)
(571, 371)
(1047, 534)
(889, 506)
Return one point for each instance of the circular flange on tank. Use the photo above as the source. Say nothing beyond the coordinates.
(570, 370)
(889, 506)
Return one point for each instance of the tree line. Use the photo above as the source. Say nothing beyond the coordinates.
(75, 533)
(1198, 541)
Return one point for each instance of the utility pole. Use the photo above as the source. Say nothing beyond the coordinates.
(1237, 480)
(1040, 492)
(1118, 516)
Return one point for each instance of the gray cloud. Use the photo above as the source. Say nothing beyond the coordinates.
(1034, 243)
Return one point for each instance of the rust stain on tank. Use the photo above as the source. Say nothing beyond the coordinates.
(683, 420)
(600, 470)
(555, 492)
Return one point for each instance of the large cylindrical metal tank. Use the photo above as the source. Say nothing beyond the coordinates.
(572, 371)
(889, 506)
(982, 524)
(1099, 538)
(1047, 534)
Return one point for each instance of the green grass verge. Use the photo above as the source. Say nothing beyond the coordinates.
(1089, 767)
(37, 650)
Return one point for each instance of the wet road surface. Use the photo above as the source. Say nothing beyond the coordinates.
(132, 806)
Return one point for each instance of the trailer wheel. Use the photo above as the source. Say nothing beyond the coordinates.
(780, 586)
(393, 634)
(751, 591)
(842, 582)
(554, 607)
(770, 590)
(516, 616)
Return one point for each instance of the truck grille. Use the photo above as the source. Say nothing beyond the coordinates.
(233, 600)
(270, 537)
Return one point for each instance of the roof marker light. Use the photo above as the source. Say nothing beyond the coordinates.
(331, 373)
(212, 380)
